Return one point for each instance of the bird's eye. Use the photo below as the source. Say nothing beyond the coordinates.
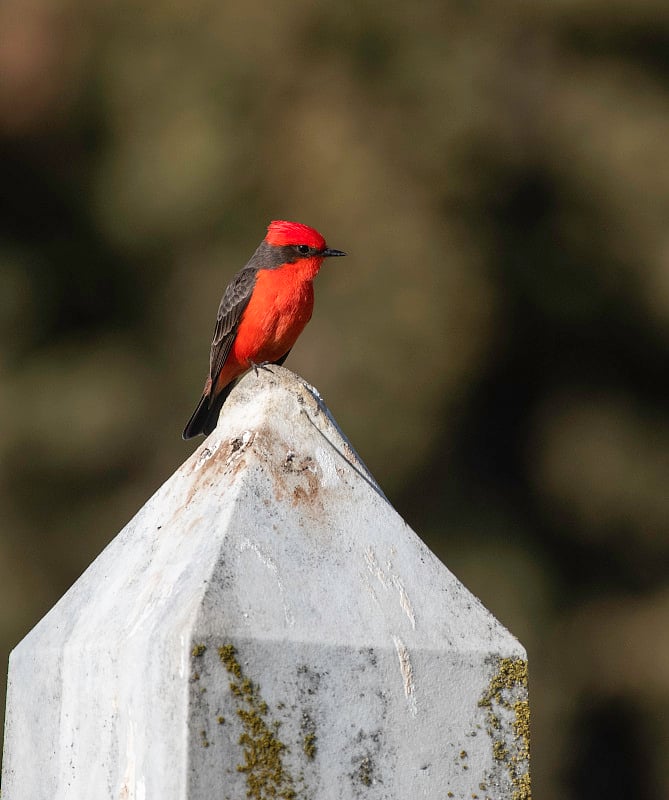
(303, 249)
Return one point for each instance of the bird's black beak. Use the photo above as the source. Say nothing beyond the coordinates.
(330, 252)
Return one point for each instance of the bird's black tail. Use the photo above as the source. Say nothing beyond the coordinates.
(205, 416)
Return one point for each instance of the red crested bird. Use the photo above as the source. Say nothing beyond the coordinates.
(263, 310)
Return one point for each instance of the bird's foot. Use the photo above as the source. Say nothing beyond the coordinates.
(262, 365)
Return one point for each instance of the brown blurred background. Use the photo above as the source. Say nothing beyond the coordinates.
(495, 346)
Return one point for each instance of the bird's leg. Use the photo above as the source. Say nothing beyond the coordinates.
(262, 365)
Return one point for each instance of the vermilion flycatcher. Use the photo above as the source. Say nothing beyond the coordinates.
(263, 311)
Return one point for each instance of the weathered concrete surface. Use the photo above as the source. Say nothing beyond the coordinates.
(267, 626)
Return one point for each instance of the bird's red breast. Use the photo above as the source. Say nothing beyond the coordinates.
(280, 306)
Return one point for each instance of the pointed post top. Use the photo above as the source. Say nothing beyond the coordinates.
(277, 400)
(267, 625)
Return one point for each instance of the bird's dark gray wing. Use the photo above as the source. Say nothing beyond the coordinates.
(235, 299)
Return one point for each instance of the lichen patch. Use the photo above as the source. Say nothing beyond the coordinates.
(506, 697)
(266, 775)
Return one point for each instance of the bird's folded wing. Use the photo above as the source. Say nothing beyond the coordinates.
(234, 301)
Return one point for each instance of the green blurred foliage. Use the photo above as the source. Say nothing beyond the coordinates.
(495, 346)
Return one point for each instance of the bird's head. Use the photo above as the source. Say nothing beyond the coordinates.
(303, 241)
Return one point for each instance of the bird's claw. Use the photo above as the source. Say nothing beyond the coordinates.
(256, 367)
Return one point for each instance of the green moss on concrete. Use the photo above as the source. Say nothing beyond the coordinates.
(499, 751)
(266, 775)
(507, 693)
(309, 745)
(365, 772)
(523, 789)
(521, 728)
(227, 655)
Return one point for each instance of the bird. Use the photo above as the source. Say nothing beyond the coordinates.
(264, 309)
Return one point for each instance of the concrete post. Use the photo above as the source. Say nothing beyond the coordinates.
(267, 626)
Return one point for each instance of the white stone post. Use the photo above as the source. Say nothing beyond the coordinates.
(267, 626)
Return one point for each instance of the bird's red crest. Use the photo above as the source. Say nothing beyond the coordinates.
(281, 232)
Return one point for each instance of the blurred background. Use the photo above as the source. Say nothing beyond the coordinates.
(495, 345)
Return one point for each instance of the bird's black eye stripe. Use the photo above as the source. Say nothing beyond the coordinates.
(303, 249)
